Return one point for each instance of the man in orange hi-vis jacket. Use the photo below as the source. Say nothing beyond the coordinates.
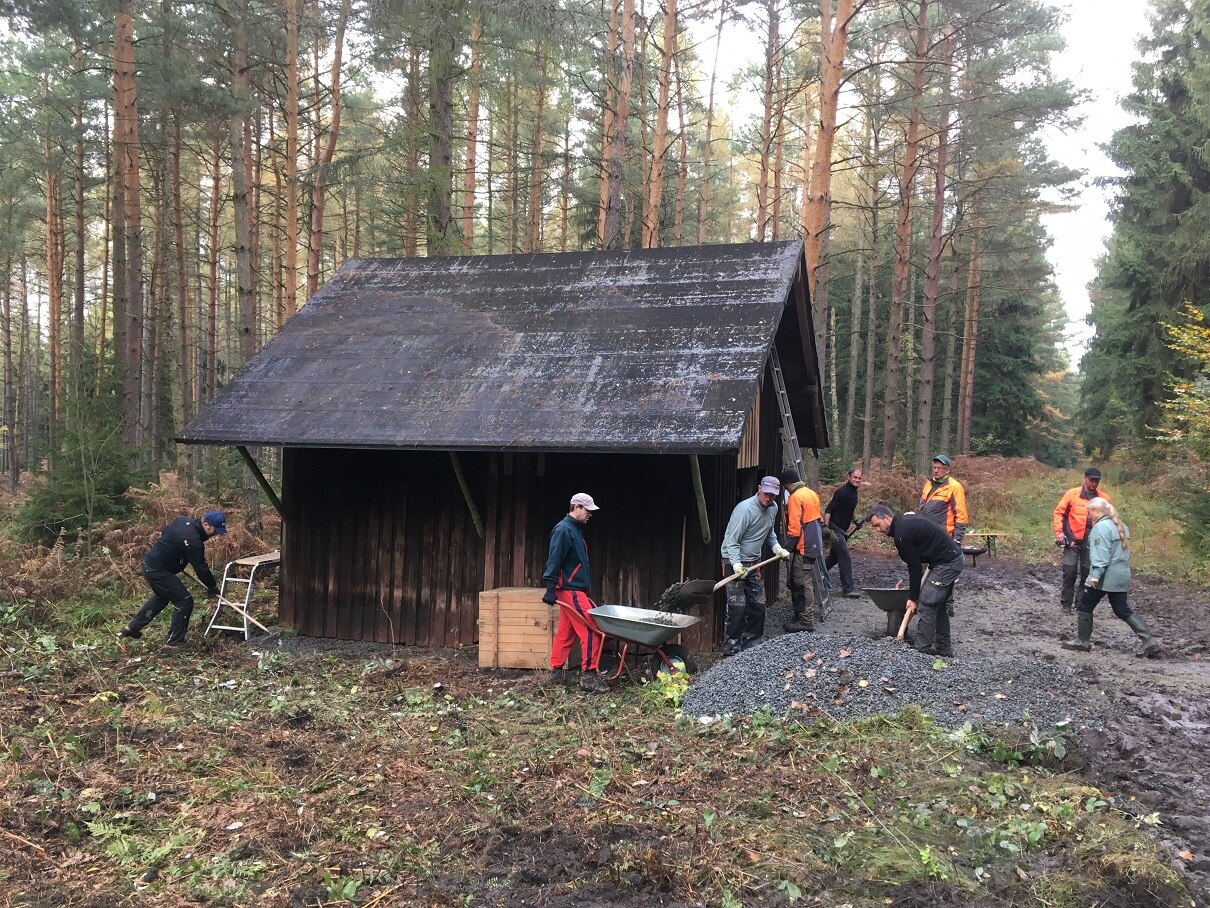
(1070, 526)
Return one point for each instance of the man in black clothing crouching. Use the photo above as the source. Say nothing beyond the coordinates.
(921, 542)
(181, 543)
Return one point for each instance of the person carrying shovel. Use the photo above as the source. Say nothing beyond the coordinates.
(750, 527)
(922, 543)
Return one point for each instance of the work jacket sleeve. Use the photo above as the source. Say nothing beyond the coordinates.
(559, 544)
(911, 557)
(961, 518)
(197, 559)
(735, 528)
(1100, 553)
(1060, 513)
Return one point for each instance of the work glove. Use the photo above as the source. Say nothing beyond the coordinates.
(549, 597)
(740, 571)
(780, 552)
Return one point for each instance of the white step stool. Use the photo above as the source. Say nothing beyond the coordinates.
(232, 573)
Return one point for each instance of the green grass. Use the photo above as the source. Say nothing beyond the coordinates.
(238, 778)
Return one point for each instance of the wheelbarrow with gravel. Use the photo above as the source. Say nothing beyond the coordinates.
(637, 641)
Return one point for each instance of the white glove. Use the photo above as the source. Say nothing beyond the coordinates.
(780, 552)
(740, 571)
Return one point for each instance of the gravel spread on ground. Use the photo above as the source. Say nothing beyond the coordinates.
(847, 677)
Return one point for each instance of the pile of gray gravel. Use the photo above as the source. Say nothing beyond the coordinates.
(847, 677)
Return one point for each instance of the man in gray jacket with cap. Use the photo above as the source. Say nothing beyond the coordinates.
(751, 526)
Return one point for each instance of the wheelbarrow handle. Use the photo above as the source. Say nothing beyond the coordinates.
(722, 583)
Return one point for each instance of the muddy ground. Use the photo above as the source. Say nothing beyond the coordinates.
(1153, 750)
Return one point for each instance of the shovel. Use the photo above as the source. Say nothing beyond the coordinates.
(722, 583)
(911, 609)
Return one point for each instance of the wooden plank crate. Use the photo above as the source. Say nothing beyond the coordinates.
(516, 628)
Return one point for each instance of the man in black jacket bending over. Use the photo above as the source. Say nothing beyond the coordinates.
(181, 543)
(921, 542)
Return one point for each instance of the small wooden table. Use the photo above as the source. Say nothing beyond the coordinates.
(989, 539)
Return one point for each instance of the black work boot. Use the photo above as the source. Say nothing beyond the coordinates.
(1151, 648)
(799, 623)
(731, 646)
(1083, 640)
(593, 683)
(132, 633)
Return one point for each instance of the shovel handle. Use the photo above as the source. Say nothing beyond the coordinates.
(911, 610)
(242, 611)
(722, 583)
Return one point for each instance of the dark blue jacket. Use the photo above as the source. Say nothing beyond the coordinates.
(182, 542)
(567, 563)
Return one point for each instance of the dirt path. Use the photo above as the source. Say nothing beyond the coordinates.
(1152, 751)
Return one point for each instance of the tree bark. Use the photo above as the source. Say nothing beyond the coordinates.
(441, 234)
(932, 280)
(324, 162)
(970, 334)
(655, 183)
(615, 162)
(472, 138)
(126, 117)
(903, 238)
(707, 196)
(290, 264)
(533, 232)
(772, 54)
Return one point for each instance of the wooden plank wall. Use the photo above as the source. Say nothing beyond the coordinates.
(381, 545)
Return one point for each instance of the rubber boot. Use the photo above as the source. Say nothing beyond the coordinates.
(180, 623)
(1151, 649)
(1083, 641)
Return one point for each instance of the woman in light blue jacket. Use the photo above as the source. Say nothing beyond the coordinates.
(1108, 543)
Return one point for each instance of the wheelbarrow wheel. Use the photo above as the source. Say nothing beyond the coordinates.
(680, 657)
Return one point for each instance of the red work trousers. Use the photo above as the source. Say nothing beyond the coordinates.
(575, 622)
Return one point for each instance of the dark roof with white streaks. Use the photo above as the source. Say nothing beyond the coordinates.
(650, 350)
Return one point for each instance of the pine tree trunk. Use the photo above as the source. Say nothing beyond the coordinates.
(472, 138)
(81, 238)
(290, 264)
(184, 327)
(441, 233)
(54, 291)
(411, 218)
(12, 439)
(615, 161)
(951, 335)
(903, 237)
(850, 398)
(533, 232)
(213, 241)
(970, 334)
(655, 183)
(707, 196)
(611, 70)
(678, 215)
(932, 280)
(126, 142)
(106, 233)
(772, 51)
(319, 196)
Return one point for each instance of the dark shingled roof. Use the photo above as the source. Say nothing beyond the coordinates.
(651, 350)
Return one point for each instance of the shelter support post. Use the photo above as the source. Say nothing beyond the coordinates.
(466, 493)
(703, 516)
(261, 481)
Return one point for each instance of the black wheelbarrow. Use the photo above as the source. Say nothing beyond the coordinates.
(633, 632)
(894, 603)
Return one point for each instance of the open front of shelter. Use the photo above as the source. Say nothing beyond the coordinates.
(436, 414)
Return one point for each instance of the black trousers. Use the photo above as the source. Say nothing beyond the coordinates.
(166, 587)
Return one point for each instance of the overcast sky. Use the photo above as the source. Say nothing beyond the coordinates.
(1101, 36)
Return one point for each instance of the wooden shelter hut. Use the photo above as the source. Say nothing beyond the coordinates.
(436, 414)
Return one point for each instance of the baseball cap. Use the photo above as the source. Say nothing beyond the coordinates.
(217, 522)
(788, 477)
(585, 500)
(942, 459)
(1092, 473)
(770, 485)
